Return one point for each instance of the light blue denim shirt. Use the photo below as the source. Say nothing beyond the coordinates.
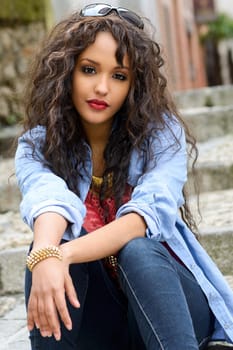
(157, 196)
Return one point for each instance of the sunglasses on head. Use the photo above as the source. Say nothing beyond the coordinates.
(99, 9)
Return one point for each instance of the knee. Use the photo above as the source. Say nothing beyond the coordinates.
(136, 250)
(132, 249)
(141, 250)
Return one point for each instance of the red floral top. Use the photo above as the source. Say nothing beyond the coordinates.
(96, 215)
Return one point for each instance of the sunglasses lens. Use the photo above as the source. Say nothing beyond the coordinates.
(95, 10)
(131, 17)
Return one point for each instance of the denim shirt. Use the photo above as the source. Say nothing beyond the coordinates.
(157, 197)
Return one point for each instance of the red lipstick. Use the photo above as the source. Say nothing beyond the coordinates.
(97, 104)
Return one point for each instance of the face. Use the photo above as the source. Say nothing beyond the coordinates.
(100, 84)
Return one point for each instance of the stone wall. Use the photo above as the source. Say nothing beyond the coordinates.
(17, 45)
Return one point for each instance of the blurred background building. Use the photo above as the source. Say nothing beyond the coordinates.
(196, 37)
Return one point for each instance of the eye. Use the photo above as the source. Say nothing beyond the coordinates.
(120, 76)
(88, 70)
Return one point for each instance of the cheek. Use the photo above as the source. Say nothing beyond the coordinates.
(78, 90)
(75, 85)
(75, 93)
(125, 92)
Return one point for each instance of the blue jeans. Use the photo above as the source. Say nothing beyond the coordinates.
(159, 306)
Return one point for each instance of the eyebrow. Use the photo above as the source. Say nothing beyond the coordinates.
(98, 64)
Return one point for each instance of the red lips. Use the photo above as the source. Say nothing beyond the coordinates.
(97, 104)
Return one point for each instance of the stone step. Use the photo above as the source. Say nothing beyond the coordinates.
(13, 330)
(15, 237)
(8, 138)
(216, 226)
(214, 166)
(216, 235)
(207, 96)
(10, 195)
(209, 122)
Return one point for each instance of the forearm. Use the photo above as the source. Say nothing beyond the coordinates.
(48, 230)
(106, 240)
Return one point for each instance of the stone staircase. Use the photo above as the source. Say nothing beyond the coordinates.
(209, 113)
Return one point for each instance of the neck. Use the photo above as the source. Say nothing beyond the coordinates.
(97, 136)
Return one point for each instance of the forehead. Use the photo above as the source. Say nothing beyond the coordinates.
(104, 47)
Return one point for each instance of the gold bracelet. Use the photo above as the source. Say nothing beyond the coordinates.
(41, 254)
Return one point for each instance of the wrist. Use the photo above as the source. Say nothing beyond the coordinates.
(38, 255)
(66, 253)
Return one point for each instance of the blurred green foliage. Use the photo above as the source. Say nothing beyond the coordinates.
(219, 29)
(22, 10)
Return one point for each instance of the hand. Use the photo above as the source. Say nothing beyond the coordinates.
(50, 282)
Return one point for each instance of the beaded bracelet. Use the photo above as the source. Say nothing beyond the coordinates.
(41, 254)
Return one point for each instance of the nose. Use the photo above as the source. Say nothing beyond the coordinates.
(102, 85)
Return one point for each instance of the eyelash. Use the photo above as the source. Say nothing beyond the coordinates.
(91, 70)
(120, 76)
(88, 70)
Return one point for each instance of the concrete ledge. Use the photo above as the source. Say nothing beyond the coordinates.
(13, 330)
(218, 95)
(214, 178)
(209, 122)
(215, 209)
(8, 137)
(12, 266)
(10, 195)
(215, 164)
(220, 247)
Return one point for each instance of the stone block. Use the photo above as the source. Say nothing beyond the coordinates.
(10, 195)
(207, 96)
(209, 122)
(220, 247)
(12, 266)
(10, 198)
(213, 177)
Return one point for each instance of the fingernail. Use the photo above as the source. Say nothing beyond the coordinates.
(57, 336)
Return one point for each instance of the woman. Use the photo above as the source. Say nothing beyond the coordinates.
(104, 153)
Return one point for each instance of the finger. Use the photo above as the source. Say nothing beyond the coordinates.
(52, 318)
(70, 291)
(62, 309)
(45, 329)
(32, 314)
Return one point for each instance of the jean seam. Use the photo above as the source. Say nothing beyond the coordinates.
(140, 307)
(183, 271)
(203, 341)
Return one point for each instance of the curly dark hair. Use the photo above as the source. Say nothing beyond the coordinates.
(49, 100)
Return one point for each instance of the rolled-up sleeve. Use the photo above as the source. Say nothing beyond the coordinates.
(158, 193)
(42, 191)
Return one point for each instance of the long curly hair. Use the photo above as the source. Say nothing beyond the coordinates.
(49, 101)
